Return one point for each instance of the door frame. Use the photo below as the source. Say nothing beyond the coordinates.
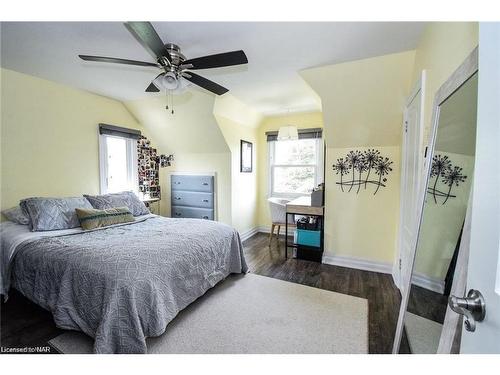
(418, 89)
(483, 271)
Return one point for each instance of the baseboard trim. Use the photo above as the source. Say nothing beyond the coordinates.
(426, 282)
(358, 263)
(249, 233)
(349, 262)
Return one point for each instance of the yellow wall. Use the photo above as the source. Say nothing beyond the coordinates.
(236, 122)
(302, 121)
(49, 137)
(441, 50)
(364, 225)
(193, 135)
(363, 100)
(363, 105)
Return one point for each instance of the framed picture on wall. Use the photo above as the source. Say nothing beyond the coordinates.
(246, 156)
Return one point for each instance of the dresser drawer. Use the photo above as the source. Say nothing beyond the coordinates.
(192, 199)
(191, 212)
(192, 183)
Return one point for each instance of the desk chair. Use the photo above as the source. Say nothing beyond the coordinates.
(277, 207)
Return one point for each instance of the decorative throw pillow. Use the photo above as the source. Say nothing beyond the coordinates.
(92, 218)
(17, 215)
(124, 199)
(53, 213)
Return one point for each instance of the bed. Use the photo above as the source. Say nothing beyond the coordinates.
(123, 283)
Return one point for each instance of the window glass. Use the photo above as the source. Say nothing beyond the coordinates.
(302, 151)
(117, 164)
(293, 180)
(295, 167)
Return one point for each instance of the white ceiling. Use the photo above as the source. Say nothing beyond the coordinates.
(269, 83)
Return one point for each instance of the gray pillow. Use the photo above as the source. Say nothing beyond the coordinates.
(53, 213)
(17, 215)
(124, 199)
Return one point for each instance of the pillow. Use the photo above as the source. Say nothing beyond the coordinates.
(17, 215)
(124, 199)
(53, 213)
(92, 218)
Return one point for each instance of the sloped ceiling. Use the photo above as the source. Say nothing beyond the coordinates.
(191, 129)
(269, 83)
(363, 100)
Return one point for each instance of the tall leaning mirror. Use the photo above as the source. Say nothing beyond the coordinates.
(450, 169)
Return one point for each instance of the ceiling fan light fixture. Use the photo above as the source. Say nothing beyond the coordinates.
(167, 81)
(288, 133)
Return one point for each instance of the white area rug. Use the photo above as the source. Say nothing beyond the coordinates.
(423, 334)
(257, 314)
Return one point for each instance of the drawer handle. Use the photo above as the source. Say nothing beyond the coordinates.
(205, 200)
(177, 214)
(177, 198)
(205, 217)
(205, 183)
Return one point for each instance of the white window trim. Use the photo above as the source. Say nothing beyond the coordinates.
(318, 169)
(132, 169)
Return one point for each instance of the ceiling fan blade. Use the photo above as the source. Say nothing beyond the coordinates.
(205, 83)
(145, 34)
(217, 61)
(152, 88)
(116, 60)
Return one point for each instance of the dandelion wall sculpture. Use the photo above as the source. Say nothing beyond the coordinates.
(450, 175)
(341, 167)
(356, 163)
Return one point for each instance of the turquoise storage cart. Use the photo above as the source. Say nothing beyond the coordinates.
(309, 237)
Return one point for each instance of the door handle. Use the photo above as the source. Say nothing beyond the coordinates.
(472, 307)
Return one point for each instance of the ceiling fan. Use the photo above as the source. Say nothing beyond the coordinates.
(169, 58)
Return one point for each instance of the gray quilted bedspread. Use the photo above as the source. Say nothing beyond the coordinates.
(123, 284)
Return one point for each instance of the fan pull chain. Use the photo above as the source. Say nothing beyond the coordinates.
(170, 101)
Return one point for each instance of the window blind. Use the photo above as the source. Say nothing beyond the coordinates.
(303, 134)
(118, 131)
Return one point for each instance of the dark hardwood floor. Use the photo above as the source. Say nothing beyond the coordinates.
(25, 324)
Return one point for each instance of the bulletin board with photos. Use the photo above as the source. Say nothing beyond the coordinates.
(148, 163)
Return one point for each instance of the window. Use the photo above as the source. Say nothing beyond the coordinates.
(295, 167)
(118, 163)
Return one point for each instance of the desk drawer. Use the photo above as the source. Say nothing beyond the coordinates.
(192, 183)
(192, 199)
(191, 212)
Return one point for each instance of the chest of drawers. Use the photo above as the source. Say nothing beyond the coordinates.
(192, 196)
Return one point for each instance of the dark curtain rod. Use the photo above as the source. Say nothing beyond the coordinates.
(118, 131)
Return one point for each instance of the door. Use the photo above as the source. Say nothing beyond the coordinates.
(484, 260)
(411, 173)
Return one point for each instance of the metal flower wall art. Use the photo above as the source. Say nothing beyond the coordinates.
(357, 167)
(449, 174)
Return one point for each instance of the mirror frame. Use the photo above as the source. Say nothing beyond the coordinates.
(466, 70)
